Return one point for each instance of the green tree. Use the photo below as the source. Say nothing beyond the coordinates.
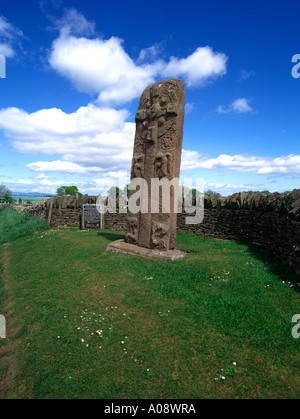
(67, 190)
(267, 192)
(8, 199)
(195, 192)
(4, 191)
(114, 191)
(185, 190)
(212, 193)
(126, 190)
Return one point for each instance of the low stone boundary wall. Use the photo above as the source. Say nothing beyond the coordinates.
(274, 231)
(272, 221)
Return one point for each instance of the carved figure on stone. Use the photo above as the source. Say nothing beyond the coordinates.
(145, 130)
(132, 230)
(159, 235)
(150, 134)
(138, 166)
(168, 128)
(167, 143)
(163, 165)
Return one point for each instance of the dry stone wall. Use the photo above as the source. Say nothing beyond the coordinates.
(276, 232)
(272, 221)
(66, 212)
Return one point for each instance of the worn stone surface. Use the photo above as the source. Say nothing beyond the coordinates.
(120, 246)
(157, 155)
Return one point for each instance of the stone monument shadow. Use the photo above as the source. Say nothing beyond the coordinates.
(110, 236)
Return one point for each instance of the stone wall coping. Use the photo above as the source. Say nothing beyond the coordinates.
(285, 203)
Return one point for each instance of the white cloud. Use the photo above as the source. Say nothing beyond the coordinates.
(245, 75)
(25, 182)
(60, 166)
(43, 176)
(282, 165)
(49, 123)
(56, 184)
(104, 67)
(118, 178)
(189, 107)
(94, 186)
(19, 182)
(91, 139)
(100, 66)
(74, 23)
(240, 105)
(242, 163)
(198, 68)
(96, 139)
(150, 53)
(6, 50)
(9, 36)
(120, 174)
(226, 186)
(191, 160)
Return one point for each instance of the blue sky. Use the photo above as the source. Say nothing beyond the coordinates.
(75, 71)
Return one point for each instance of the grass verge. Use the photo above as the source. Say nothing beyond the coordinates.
(84, 323)
(14, 225)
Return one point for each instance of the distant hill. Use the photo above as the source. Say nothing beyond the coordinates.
(42, 195)
(30, 196)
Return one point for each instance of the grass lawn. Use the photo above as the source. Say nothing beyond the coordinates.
(83, 323)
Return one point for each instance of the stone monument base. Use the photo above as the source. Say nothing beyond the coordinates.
(120, 246)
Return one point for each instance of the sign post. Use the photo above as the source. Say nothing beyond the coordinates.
(92, 219)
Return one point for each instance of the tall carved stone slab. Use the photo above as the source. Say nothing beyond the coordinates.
(157, 154)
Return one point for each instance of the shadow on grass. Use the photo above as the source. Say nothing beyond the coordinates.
(111, 236)
(276, 266)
